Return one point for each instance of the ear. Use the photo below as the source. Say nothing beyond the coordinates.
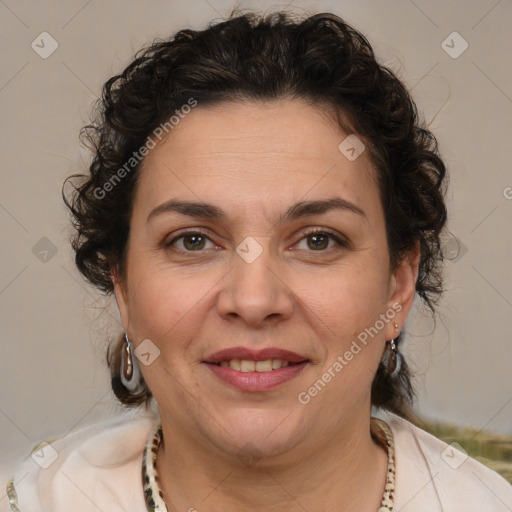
(403, 288)
(121, 295)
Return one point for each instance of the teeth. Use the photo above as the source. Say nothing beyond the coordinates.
(235, 364)
(245, 365)
(263, 366)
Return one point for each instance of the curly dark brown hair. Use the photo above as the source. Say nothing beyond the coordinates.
(250, 57)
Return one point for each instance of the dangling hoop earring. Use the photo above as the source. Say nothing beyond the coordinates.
(130, 372)
(392, 358)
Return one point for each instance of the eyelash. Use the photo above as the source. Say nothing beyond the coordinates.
(314, 231)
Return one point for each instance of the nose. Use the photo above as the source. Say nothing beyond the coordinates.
(255, 293)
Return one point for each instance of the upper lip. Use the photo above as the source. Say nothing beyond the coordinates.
(254, 355)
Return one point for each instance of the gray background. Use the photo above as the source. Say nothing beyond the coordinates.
(54, 327)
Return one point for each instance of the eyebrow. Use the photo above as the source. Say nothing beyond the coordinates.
(296, 211)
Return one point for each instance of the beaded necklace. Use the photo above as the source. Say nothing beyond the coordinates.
(154, 495)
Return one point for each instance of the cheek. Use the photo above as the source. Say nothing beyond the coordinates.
(163, 305)
(348, 300)
(168, 311)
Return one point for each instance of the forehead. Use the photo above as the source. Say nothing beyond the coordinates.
(254, 153)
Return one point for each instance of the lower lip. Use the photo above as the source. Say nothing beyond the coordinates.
(256, 381)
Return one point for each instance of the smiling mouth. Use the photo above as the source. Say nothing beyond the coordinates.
(267, 365)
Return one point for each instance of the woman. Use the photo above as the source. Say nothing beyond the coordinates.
(264, 206)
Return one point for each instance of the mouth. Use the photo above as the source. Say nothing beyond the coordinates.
(247, 360)
(250, 370)
(248, 365)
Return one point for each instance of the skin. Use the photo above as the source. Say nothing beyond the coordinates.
(254, 160)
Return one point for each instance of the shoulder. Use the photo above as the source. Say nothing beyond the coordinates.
(96, 467)
(430, 473)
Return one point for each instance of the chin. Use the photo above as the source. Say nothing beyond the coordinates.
(253, 434)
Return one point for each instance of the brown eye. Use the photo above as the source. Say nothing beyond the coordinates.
(318, 241)
(194, 242)
(191, 241)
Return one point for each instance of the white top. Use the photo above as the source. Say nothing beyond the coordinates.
(99, 468)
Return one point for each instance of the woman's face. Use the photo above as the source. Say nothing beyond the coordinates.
(239, 266)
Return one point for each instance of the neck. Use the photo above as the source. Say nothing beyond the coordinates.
(346, 473)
